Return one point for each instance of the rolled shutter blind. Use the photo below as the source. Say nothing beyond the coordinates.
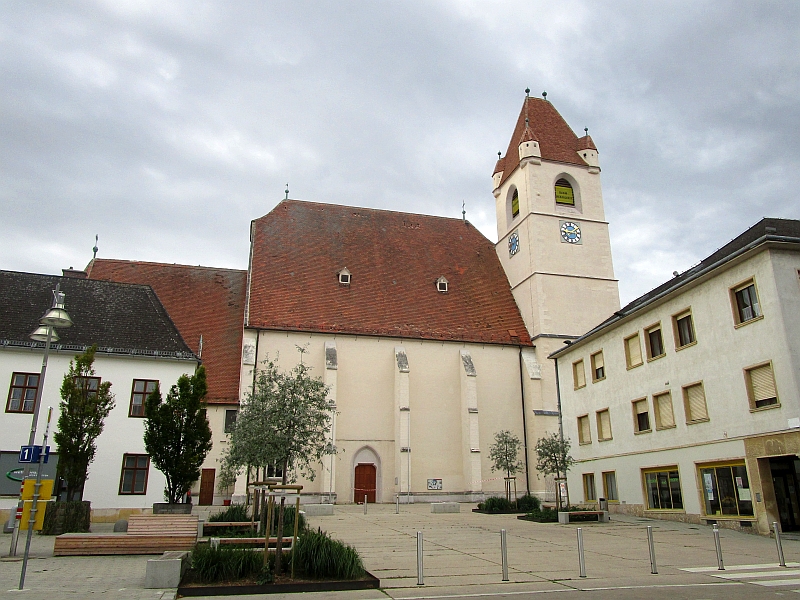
(598, 361)
(665, 414)
(697, 403)
(605, 424)
(586, 434)
(634, 351)
(580, 376)
(763, 383)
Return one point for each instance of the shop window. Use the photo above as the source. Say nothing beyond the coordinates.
(589, 492)
(134, 474)
(683, 328)
(663, 489)
(603, 425)
(633, 351)
(578, 374)
(610, 486)
(761, 389)
(726, 490)
(694, 403)
(662, 405)
(745, 302)
(641, 416)
(598, 367)
(654, 342)
(22, 393)
(140, 390)
(584, 432)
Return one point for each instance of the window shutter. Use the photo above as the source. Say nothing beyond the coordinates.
(665, 415)
(634, 351)
(763, 383)
(605, 425)
(697, 403)
(586, 434)
(580, 375)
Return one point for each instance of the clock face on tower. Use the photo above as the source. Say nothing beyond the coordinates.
(513, 244)
(570, 232)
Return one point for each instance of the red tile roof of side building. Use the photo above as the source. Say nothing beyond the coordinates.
(557, 141)
(395, 260)
(200, 301)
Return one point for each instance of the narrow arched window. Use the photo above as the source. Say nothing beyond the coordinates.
(564, 193)
(515, 204)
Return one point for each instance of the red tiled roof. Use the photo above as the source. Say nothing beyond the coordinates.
(394, 260)
(556, 139)
(200, 301)
(585, 143)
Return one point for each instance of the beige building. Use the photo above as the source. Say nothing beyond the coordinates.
(684, 405)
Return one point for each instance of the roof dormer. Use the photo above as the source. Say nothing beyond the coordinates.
(529, 150)
(588, 151)
(441, 285)
(344, 277)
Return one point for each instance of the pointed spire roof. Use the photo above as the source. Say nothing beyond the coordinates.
(499, 165)
(585, 143)
(556, 139)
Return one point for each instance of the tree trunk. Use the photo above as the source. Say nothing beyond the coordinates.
(279, 541)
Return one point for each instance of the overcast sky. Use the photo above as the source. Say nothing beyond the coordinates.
(166, 126)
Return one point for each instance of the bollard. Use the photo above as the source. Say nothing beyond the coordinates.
(504, 553)
(419, 558)
(721, 566)
(653, 568)
(397, 504)
(778, 543)
(581, 561)
(365, 504)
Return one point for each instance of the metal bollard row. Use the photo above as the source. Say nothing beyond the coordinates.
(419, 559)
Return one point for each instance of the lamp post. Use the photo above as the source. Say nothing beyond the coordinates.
(53, 318)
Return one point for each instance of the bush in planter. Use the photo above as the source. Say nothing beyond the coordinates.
(497, 504)
(319, 556)
(67, 517)
(543, 515)
(528, 503)
(235, 513)
(211, 565)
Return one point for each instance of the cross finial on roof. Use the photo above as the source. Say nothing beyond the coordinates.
(527, 92)
(544, 95)
(586, 129)
(287, 192)
(95, 249)
(464, 211)
(499, 154)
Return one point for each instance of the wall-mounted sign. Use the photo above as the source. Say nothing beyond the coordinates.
(434, 484)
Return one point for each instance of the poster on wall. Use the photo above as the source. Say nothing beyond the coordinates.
(434, 484)
(708, 482)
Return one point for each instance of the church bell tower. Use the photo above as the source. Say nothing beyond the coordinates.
(553, 239)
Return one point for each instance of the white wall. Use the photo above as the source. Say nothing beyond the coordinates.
(121, 434)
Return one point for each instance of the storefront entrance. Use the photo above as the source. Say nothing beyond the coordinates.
(784, 480)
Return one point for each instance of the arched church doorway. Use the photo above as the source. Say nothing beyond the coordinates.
(366, 475)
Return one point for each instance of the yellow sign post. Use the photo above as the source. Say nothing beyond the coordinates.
(26, 515)
(45, 489)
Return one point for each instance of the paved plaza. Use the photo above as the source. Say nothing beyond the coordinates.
(462, 559)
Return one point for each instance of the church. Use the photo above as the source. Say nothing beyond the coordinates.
(430, 337)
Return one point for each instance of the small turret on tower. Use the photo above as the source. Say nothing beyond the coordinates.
(529, 150)
(497, 176)
(588, 151)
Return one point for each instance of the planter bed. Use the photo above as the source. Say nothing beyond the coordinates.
(499, 512)
(282, 586)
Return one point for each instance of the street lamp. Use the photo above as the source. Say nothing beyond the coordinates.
(53, 318)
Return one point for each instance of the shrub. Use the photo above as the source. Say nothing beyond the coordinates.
(529, 503)
(497, 504)
(235, 513)
(544, 515)
(288, 521)
(226, 564)
(319, 556)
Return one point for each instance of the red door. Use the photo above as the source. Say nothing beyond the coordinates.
(364, 483)
(207, 487)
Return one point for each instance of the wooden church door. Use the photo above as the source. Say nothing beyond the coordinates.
(207, 487)
(365, 483)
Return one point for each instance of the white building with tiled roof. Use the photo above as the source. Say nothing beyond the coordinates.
(685, 404)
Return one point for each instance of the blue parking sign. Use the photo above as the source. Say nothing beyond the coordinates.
(30, 454)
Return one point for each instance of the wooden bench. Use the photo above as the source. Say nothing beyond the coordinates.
(564, 517)
(254, 541)
(147, 534)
